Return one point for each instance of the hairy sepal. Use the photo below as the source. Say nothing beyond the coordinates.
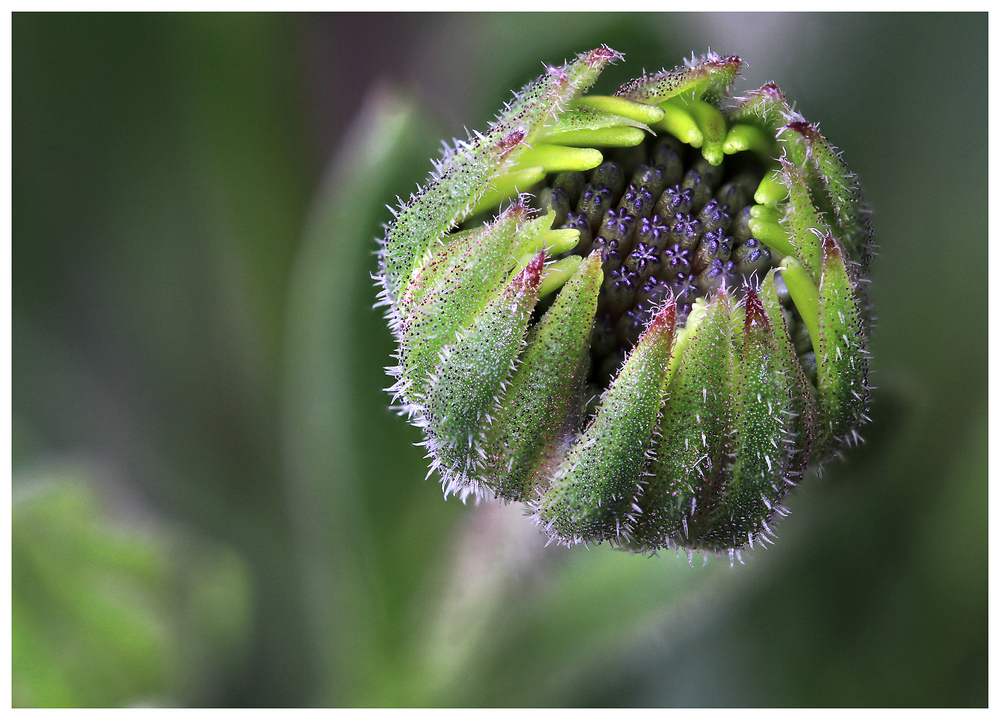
(764, 441)
(463, 389)
(688, 474)
(804, 224)
(543, 402)
(707, 77)
(593, 495)
(850, 216)
(451, 290)
(803, 415)
(835, 189)
(841, 352)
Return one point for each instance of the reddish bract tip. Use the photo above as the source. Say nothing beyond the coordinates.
(601, 56)
(510, 141)
(805, 129)
(756, 315)
(831, 249)
(771, 90)
(666, 318)
(721, 295)
(720, 61)
(531, 275)
(557, 71)
(519, 210)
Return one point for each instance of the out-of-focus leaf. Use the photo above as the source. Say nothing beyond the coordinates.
(106, 612)
(354, 478)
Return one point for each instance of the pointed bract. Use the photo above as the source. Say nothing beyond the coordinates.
(763, 442)
(594, 490)
(451, 290)
(850, 213)
(841, 352)
(537, 414)
(686, 478)
(464, 175)
(711, 75)
(803, 222)
(473, 370)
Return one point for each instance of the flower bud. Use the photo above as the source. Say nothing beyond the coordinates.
(659, 326)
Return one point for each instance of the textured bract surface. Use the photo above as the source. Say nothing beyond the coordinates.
(642, 315)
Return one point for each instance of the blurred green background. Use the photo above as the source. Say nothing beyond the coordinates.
(212, 504)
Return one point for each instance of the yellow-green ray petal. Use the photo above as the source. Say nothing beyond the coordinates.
(630, 109)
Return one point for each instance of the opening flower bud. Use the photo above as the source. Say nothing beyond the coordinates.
(642, 314)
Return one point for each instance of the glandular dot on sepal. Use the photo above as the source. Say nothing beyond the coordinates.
(642, 315)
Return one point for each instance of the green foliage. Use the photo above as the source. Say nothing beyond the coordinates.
(105, 612)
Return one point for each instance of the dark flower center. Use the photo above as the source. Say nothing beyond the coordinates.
(666, 221)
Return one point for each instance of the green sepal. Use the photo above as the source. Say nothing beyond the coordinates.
(850, 216)
(443, 261)
(687, 474)
(451, 289)
(707, 77)
(463, 390)
(841, 352)
(593, 494)
(452, 193)
(541, 403)
(764, 443)
(804, 411)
